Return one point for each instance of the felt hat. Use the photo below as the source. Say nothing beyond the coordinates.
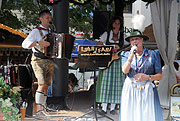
(136, 33)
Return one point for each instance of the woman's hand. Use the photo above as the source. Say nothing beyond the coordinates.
(141, 77)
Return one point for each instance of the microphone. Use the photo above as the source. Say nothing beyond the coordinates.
(53, 28)
(135, 49)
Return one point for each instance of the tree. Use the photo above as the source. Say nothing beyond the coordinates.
(80, 15)
(28, 13)
(81, 19)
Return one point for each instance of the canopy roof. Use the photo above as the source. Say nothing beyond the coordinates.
(10, 37)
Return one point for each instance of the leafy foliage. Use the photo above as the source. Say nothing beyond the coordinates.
(80, 16)
(9, 99)
(28, 13)
(85, 23)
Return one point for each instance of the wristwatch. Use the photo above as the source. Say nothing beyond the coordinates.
(150, 78)
(37, 43)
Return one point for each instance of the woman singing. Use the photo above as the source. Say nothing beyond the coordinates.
(139, 100)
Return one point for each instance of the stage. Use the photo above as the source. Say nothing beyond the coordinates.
(67, 115)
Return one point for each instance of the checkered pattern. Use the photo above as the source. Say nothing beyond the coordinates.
(109, 84)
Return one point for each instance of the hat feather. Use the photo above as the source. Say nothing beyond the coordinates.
(138, 22)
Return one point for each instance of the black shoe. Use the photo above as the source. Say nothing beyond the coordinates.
(113, 112)
(103, 112)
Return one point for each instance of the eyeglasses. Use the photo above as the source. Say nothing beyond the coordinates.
(138, 38)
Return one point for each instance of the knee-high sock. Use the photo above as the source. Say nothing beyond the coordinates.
(45, 98)
(112, 106)
(104, 107)
(39, 97)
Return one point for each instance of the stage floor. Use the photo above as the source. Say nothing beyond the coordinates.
(64, 115)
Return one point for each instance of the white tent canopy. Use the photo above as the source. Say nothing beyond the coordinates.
(165, 25)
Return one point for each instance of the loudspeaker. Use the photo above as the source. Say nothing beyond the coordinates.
(25, 76)
(100, 22)
(25, 79)
(79, 100)
(61, 16)
(68, 44)
(26, 95)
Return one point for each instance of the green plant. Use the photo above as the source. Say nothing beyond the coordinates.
(9, 100)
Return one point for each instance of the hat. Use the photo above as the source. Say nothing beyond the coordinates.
(136, 33)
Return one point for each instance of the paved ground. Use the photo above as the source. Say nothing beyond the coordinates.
(64, 115)
(80, 108)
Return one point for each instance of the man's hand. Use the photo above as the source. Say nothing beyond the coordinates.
(43, 42)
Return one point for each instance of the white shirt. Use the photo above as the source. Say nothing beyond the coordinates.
(103, 38)
(34, 35)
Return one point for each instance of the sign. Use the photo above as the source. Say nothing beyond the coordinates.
(81, 42)
(175, 106)
(95, 56)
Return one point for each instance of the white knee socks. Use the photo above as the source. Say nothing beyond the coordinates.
(112, 107)
(104, 107)
(45, 98)
(40, 98)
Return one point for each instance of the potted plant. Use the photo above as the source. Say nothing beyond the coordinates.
(9, 100)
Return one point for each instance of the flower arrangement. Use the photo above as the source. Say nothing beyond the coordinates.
(9, 100)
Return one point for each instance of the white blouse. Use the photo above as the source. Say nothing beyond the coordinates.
(103, 38)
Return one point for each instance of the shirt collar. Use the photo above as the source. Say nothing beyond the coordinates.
(44, 27)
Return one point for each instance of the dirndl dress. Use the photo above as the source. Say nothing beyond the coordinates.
(139, 100)
(109, 83)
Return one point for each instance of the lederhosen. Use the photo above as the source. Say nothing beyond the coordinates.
(42, 66)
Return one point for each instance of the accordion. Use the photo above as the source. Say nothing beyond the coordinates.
(61, 45)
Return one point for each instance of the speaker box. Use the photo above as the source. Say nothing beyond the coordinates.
(68, 44)
(100, 22)
(25, 76)
(26, 95)
(79, 100)
(25, 80)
